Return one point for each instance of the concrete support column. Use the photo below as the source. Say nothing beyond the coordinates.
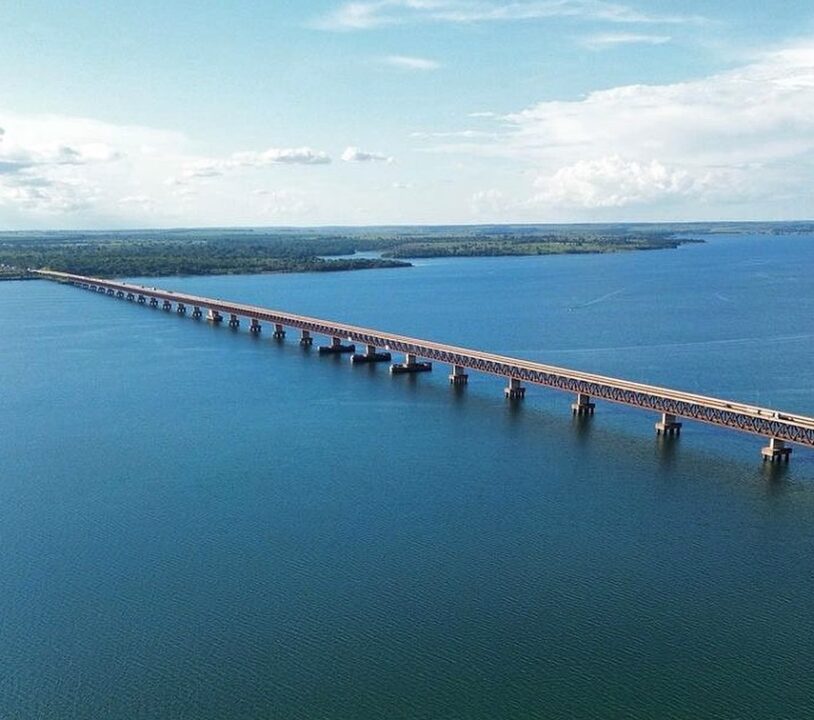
(306, 339)
(336, 347)
(131, 297)
(196, 313)
(167, 305)
(668, 426)
(776, 451)
(279, 332)
(410, 365)
(255, 327)
(120, 294)
(111, 291)
(153, 302)
(514, 390)
(370, 355)
(181, 309)
(214, 316)
(458, 376)
(142, 299)
(234, 321)
(583, 406)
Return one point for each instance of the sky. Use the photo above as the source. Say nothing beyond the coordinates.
(178, 113)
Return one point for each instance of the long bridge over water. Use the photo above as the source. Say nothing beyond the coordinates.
(779, 428)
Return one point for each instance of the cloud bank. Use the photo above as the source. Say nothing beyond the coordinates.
(56, 166)
(736, 144)
(726, 139)
(354, 154)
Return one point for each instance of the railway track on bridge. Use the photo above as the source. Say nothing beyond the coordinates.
(779, 427)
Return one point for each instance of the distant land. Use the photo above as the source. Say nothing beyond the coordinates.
(222, 251)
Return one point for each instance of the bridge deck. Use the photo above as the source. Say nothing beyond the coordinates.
(763, 421)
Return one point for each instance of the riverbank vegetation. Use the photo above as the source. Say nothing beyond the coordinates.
(257, 250)
(177, 253)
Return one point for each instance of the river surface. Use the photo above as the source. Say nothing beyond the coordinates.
(200, 524)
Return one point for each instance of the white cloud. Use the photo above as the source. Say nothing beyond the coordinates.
(56, 165)
(7, 167)
(50, 197)
(279, 204)
(284, 156)
(615, 182)
(51, 164)
(737, 144)
(139, 203)
(216, 167)
(725, 139)
(379, 13)
(407, 62)
(204, 169)
(354, 154)
(482, 114)
(602, 41)
(488, 202)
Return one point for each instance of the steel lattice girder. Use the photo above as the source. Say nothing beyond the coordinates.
(768, 426)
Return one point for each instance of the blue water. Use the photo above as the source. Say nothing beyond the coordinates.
(196, 523)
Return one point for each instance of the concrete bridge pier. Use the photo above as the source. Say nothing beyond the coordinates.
(234, 321)
(776, 451)
(458, 376)
(120, 294)
(255, 327)
(668, 426)
(583, 407)
(101, 290)
(336, 347)
(370, 355)
(410, 365)
(153, 302)
(214, 316)
(306, 339)
(279, 332)
(514, 390)
(196, 313)
(181, 309)
(167, 305)
(131, 297)
(111, 291)
(142, 299)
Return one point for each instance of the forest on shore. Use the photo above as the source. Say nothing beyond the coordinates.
(223, 251)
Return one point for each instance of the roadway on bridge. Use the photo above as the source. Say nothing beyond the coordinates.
(767, 422)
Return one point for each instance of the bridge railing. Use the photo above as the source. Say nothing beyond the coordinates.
(731, 414)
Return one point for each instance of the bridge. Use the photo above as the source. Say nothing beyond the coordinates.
(779, 428)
